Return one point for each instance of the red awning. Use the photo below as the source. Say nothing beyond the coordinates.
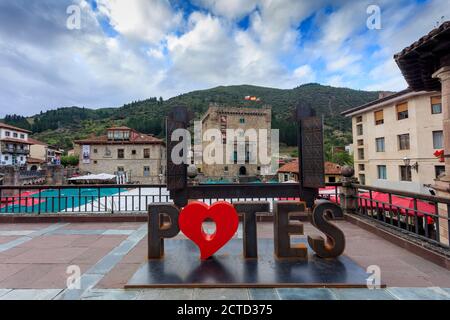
(399, 204)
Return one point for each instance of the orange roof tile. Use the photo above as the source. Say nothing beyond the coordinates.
(7, 126)
(292, 167)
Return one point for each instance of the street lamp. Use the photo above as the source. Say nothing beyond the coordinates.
(407, 162)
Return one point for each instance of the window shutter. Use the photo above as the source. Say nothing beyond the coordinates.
(436, 100)
(402, 107)
(379, 116)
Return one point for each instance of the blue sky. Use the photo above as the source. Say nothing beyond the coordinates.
(127, 50)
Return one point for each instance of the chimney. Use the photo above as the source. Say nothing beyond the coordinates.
(384, 94)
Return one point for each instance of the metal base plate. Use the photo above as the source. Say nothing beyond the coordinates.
(182, 268)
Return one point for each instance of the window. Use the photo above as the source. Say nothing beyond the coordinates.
(379, 117)
(6, 158)
(362, 179)
(15, 135)
(7, 133)
(382, 172)
(225, 169)
(120, 169)
(95, 150)
(380, 144)
(22, 136)
(405, 173)
(403, 142)
(358, 119)
(402, 111)
(133, 152)
(242, 120)
(438, 137)
(436, 105)
(360, 142)
(332, 179)
(146, 171)
(95, 161)
(361, 167)
(146, 153)
(439, 170)
(361, 154)
(121, 153)
(359, 129)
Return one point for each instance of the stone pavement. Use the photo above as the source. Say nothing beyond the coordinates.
(34, 259)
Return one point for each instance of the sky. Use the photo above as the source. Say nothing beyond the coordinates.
(105, 53)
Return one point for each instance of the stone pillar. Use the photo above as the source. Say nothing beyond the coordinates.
(11, 178)
(443, 74)
(54, 175)
(349, 201)
(442, 185)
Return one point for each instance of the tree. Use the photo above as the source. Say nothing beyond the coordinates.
(72, 161)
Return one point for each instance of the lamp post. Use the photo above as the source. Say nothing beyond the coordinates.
(407, 162)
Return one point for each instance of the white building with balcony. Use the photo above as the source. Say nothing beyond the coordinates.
(14, 145)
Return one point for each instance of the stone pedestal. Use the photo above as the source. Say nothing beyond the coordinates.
(348, 195)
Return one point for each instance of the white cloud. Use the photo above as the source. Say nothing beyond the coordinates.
(231, 9)
(305, 74)
(160, 52)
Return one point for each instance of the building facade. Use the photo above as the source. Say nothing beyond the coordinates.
(289, 172)
(14, 146)
(223, 118)
(395, 140)
(42, 151)
(124, 151)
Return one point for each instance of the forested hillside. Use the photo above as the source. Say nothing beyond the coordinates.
(62, 126)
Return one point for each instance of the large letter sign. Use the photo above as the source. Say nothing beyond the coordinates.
(166, 221)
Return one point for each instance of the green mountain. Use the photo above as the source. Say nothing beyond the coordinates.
(62, 126)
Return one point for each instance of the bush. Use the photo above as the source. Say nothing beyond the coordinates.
(72, 161)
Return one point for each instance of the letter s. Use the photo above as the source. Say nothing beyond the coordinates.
(334, 245)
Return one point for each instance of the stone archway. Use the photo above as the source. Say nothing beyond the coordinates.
(242, 171)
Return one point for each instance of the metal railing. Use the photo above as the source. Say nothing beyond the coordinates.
(418, 215)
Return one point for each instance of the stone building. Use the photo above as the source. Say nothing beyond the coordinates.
(425, 64)
(395, 139)
(223, 118)
(122, 151)
(14, 145)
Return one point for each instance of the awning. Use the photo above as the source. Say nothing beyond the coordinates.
(101, 176)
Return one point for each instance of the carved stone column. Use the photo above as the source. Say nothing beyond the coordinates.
(443, 74)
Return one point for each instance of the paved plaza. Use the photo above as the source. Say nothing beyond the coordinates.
(34, 259)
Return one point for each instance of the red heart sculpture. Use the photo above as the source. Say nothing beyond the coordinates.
(222, 213)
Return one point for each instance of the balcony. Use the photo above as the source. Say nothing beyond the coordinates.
(10, 150)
